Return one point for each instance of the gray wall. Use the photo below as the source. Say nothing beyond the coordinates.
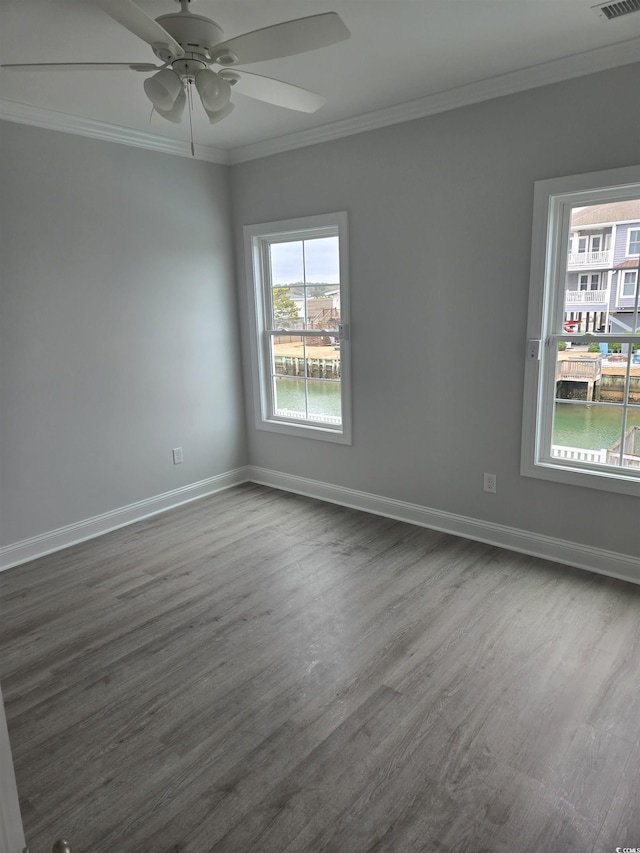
(440, 213)
(119, 328)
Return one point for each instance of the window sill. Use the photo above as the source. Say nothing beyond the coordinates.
(305, 431)
(605, 481)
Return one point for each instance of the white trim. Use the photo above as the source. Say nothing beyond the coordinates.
(567, 68)
(555, 71)
(569, 553)
(54, 120)
(11, 831)
(89, 528)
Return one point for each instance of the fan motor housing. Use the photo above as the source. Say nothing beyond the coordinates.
(194, 33)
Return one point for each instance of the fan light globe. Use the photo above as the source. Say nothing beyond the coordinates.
(163, 89)
(214, 91)
(175, 113)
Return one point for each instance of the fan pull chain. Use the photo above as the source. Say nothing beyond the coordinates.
(190, 99)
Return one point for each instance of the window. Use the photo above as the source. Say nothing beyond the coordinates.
(297, 274)
(581, 421)
(629, 279)
(590, 281)
(634, 242)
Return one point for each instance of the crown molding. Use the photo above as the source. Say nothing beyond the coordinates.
(53, 120)
(567, 68)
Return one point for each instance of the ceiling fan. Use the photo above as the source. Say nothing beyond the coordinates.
(188, 44)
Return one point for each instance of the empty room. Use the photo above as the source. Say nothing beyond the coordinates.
(319, 426)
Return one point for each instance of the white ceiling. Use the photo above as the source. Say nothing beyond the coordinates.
(400, 52)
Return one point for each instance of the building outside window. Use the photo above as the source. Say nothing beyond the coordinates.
(298, 295)
(581, 420)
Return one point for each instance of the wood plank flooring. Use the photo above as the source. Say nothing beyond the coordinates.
(259, 671)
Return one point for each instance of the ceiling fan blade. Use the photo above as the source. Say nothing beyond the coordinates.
(139, 23)
(176, 111)
(274, 91)
(83, 66)
(284, 39)
(218, 115)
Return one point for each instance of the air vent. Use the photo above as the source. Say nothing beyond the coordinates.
(610, 11)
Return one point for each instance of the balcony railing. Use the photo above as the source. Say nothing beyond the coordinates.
(589, 259)
(579, 370)
(586, 297)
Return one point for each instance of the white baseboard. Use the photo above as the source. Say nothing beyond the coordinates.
(598, 560)
(63, 537)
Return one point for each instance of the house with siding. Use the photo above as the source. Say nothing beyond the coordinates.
(602, 267)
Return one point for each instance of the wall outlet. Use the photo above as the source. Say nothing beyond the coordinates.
(490, 483)
(177, 455)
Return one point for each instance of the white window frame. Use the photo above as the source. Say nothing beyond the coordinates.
(631, 254)
(551, 224)
(257, 238)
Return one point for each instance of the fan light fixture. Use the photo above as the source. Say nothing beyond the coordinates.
(214, 90)
(163, 89)
(175, 113)
(215, 116)
(187, 44)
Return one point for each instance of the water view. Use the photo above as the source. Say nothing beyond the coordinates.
(323, 398)
(590, 427)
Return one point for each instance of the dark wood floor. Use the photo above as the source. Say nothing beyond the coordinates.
(262, 672)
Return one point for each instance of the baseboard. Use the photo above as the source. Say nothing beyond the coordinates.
(598, 560)
(563, 551)
(63, 537)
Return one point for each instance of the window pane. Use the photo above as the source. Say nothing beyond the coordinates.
(629, 279)
(321, 258)
(586, 433)
(324, 401)
(633, 393)
(287, 356)
(289, 398)
(287, 308)
(287, 263)
(592, 396)
(323, 312)
(307, 379)
(579, 372)
(631, 451)
(587, 291)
